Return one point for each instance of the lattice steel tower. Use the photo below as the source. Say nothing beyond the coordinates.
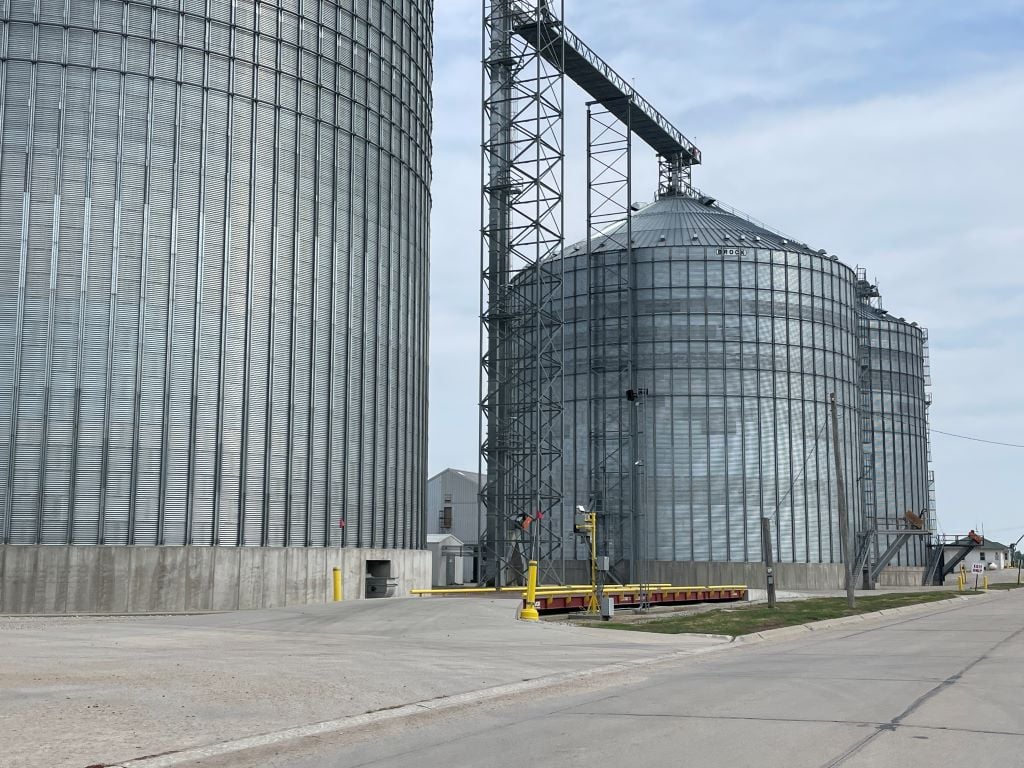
(522, 187)
(527, 53)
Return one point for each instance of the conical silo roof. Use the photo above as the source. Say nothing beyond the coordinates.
(678, 220)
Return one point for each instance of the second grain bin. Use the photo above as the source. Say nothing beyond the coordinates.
(896, 477)
(733, 338)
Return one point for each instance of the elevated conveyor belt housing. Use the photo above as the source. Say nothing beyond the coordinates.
(591, 73)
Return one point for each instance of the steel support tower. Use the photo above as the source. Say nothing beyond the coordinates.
(522, 227)
(527, 53)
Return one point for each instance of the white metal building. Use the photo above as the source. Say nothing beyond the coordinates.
(447, 569)
(452, 508)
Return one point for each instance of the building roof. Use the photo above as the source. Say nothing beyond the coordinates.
(877, 313)
(440, 538)
(676, 220)
(986, 544)
(473, 477)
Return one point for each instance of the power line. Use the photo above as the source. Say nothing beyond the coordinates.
(978, 439)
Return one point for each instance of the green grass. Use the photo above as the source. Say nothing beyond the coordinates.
(1003, 585)
(741, 619)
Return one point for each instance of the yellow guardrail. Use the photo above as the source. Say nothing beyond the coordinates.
(574, 589)
(465, 590)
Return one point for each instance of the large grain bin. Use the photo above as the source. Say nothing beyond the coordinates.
(213, 272)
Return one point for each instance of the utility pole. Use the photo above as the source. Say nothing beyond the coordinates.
(1014, 555)
(844, 522)
(769, 564)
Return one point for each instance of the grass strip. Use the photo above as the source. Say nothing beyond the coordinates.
(740, 619)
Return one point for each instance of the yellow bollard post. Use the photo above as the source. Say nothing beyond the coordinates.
(529, 612)
(337, 585)
(984, 583)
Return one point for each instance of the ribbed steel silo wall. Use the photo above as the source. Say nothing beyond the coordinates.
(213, 271)
(738, 349)
(895, 423)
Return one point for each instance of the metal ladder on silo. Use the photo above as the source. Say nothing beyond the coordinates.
(867, 538)
(867, 472)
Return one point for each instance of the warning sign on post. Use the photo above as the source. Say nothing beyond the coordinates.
(977, 567)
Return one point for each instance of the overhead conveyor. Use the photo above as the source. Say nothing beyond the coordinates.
(563, 49)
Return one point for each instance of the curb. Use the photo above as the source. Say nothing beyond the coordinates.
(817, 626)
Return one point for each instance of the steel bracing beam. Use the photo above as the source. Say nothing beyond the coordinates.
(869, 542)
(886, 557)
(521, 360)
(962, 552)
(933, 568)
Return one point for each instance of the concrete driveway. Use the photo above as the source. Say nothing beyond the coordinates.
(83, 691)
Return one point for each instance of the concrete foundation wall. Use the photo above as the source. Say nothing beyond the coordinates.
(901, 576)
(116, 579)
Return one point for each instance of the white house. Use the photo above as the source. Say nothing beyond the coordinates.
(991, 554)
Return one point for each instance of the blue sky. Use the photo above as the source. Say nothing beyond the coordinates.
(887, 132)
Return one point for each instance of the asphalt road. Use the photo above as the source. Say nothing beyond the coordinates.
(940, 689)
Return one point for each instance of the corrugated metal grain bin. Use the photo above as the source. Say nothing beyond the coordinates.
(213, 271)
(896, 477)
(739, 337)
